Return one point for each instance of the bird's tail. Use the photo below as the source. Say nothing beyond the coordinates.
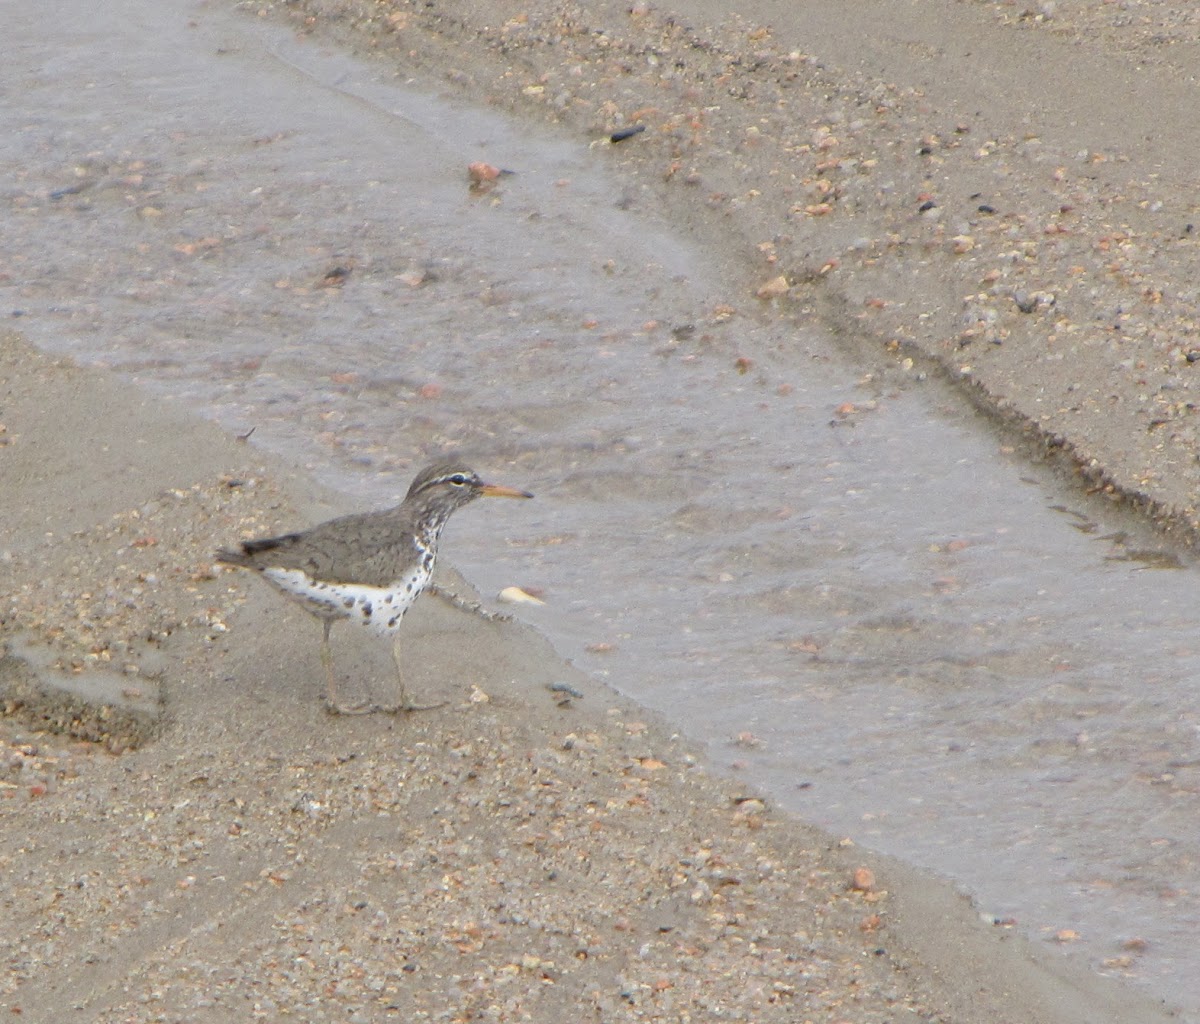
(244, 554)
(233, 556)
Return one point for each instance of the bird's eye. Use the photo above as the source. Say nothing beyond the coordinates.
(458, 480)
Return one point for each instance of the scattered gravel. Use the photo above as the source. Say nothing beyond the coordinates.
(512, 857)
(521, 857)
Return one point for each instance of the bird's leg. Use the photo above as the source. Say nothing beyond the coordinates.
(404, 704)
(332, 704)
(327, 661)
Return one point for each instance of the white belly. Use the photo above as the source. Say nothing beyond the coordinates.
(379, 609)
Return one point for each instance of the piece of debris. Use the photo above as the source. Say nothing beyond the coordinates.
(566, 689)
(515, 595)
(626, 133)
(483, 175)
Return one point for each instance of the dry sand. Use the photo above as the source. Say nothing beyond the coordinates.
(220, 849)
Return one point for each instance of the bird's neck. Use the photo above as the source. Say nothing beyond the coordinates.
(429, 528)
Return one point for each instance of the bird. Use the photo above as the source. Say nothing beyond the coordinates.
(369, 567)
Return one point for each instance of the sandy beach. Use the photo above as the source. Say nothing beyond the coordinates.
(188, 836)
(509, 857)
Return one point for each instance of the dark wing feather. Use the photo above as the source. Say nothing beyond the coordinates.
(247, 552)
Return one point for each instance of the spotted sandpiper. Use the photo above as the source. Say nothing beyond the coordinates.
(368, 568)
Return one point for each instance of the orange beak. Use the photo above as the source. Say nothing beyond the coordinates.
(496, 491)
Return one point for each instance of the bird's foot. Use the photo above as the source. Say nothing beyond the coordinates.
(334, 708)
(367, 708)
(406, 706)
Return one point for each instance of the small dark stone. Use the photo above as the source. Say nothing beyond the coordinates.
(929, 204)
(626, 133)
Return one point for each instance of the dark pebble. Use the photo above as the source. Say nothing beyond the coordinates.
(626, 133)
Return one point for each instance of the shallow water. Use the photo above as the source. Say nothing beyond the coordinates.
(851, 591)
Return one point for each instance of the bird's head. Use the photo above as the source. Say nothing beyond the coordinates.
(445, 486)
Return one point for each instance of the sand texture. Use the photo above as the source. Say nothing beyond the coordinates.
(188, 836)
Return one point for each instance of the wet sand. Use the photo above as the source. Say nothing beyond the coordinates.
(507, 855)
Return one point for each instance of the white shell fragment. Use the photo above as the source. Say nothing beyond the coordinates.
(515, 595)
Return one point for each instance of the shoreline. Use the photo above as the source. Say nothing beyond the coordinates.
(194, 633)
(255, 830)
(982, 244)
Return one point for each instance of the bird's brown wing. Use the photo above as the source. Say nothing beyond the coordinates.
(336, 550)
